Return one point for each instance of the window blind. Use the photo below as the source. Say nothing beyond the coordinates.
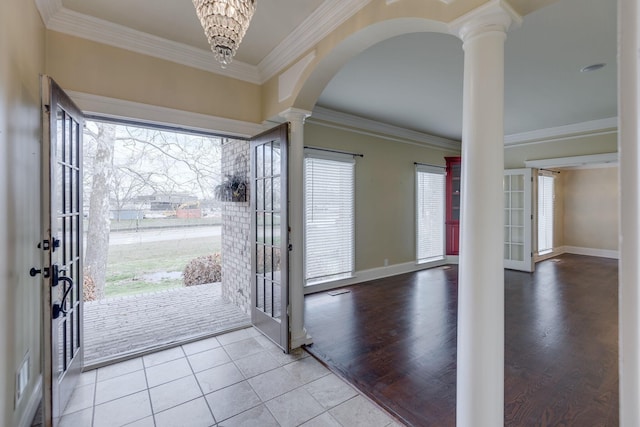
(430, 200)
(329, 216)
(545, 214)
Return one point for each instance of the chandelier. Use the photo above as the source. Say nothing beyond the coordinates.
(225, 22)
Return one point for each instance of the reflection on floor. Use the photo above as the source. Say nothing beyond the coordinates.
(121, 326)
(235, 379)
(395, 339)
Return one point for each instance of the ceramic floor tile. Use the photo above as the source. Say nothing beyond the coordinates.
(323, 420)
(123, 411)
(232, 337)
(208, 359)
(88, 377)
(307, 369)
(174, 393)
(194, 413)
(360, 412)
(118, 369)
(168, 371)
(232, 400)
(284, 358)
(77, 419)
(81, 398)
(330, 391)
(257, 364)
(202, 345)
(145, 422)
(219, 377)
(162, 356)
(244, 348)
(273, 383)
(258, 416)
(120, 386)
(266, 343)
(294, 408)
(253, 332)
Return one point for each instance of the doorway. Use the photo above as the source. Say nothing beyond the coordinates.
(153, 240)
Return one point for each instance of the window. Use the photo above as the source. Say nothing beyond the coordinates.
(329, 216)
(429, 213)
(545, 213)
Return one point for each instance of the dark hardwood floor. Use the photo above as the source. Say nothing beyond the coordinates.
(395, 339)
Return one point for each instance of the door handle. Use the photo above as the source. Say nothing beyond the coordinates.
(60, 307)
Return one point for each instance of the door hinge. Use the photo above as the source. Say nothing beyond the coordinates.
(45, 245)
(290, 247)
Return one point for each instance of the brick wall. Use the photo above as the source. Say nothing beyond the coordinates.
(236, 228)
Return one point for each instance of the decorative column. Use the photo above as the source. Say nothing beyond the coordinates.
(299, 334)
(629, 161)
(480, 372)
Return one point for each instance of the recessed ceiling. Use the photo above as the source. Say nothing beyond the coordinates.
(177, 21)
(415, 80)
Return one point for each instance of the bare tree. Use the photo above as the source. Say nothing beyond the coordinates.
(123, 163)
(103, 137)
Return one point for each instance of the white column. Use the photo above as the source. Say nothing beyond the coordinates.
(296, 118)
(480, 372)
(629, 269)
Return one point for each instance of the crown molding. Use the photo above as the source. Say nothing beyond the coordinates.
(325, 19)
(589, 128)
(77, 24)
(312, 30)
(326, 117)
(144, 113)
(589, 161)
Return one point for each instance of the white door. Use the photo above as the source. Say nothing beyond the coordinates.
(518, 253)
(62, 248)
(269, 225)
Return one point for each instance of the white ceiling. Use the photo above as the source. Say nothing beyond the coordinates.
(413, 81)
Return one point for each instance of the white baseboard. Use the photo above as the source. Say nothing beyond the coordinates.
(603, 253)
(32, 404)
(374, 273)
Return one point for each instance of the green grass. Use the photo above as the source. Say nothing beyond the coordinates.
(129, 263)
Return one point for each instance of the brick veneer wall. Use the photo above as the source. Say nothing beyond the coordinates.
(236, 228)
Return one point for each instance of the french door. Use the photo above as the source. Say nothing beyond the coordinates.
(62, 247)
(517, 215)
(269, 235)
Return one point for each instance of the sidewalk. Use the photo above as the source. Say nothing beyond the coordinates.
(118, 327)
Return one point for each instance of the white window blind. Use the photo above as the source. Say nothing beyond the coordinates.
(545, 213)
(430, 200)
(329, 216)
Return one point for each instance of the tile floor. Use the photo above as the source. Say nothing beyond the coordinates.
(235, 379)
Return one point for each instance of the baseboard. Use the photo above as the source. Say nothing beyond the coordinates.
(603, 253)
(32, 404)
(375, 273)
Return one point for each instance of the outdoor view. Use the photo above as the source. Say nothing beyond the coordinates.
(152, 224)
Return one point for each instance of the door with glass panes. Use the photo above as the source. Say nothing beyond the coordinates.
(62, 248)
(269, 231)
(517, 216)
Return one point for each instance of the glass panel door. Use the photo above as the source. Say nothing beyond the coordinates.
(517, 227)
(62, 247)
(269, 227)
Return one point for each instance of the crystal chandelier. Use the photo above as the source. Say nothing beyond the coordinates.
(225, 22)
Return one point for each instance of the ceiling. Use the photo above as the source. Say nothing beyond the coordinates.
(414, 81)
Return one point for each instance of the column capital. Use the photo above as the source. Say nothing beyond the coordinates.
(295, 115)
(495, 15)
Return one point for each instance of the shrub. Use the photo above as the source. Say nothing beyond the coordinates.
(204, 269)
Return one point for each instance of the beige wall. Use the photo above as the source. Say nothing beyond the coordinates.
(385, 192)
(22, 46)
(94, 68)
(591, 208)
